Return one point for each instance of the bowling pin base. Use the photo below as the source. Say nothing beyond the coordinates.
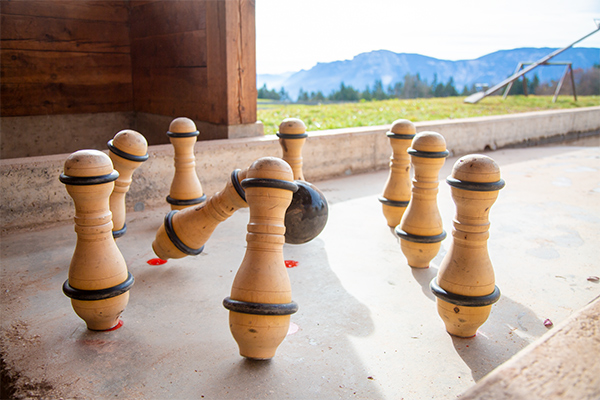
(393, 210)
(259, 328)
(463, 315)
(100, 309)
(101, 315)
(419, 250)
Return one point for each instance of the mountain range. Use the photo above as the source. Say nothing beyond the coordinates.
(389, 67)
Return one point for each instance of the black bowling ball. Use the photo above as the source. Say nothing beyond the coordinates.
(307, 214)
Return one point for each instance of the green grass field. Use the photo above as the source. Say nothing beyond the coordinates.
(346, 115)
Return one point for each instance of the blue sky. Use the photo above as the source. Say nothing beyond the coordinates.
(296, 34)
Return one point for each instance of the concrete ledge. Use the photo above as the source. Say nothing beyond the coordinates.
(563, 364)
(33, 196)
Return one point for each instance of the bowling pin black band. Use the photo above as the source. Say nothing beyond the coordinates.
(119, 232)
(122, 154)
(186, 202)
(175, 239)
(475, 186)
(393, 135)
(88, 180)
(245, 307)
(101, 294)
(236, 184)
(291, 135)
(272, 183)
(182, 134)
(393, 203)
(420, 239)
(460, 300)
(428, 154)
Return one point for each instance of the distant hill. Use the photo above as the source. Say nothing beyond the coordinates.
(391, 67)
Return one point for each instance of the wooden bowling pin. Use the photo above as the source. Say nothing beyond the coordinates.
(98, 282)
(127, 150)
(185, 232)
(292, 136)
(465, 285)
(307, 215)
(186, 190)
(261, 303)
(421, 230)
(396, 192)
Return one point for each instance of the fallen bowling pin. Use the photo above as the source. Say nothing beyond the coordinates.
(261, 303)
(307, 215)
(421, 230)
(396, 192)
(465, 285)
(186, 190)
(127, 150)
(185, 232)
(98, 282)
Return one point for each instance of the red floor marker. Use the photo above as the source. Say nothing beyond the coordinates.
(157, 261)
(291, 263)
(117, 326)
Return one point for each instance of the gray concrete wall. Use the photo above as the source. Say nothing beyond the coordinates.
(32, 196)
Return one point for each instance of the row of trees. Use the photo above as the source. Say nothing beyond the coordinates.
(587, 83)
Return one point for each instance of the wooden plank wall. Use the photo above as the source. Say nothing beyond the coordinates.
(65, 57)
(195, 58)
(163, 57)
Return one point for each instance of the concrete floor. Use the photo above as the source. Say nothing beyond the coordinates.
(367, 325)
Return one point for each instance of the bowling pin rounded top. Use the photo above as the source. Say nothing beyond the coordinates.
(130, 145)
(292, 126)
(403, 128)
(271, 168)
(182, 127)
(476, 172)
(88, 167)
(428, 145)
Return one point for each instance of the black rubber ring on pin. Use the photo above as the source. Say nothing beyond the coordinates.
(186, 202)
(272, 183)
(88, 180)
(291, 135)
(236, 184)
(182, 134)
(245, 307)
(122, 154)
(419, 239)
(393, 135)
(428, 154)
(475, 186)
(101, 294)
(119, 232)
(393, 203)
(175, 239)
(460, 300)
